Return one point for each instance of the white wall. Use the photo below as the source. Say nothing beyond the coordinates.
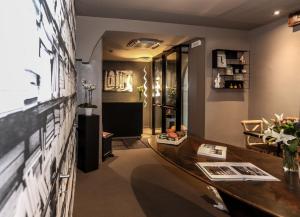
(219, 127)
(275, 65)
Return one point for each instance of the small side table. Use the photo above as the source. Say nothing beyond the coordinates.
(106, 145)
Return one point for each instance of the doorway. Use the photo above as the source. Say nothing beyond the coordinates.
(170, 90)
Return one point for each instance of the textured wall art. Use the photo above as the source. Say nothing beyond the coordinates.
(37, 112)
(118, 80)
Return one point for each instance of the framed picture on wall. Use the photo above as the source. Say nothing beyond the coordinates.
(118, 80)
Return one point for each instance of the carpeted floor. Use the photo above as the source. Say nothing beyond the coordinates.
(138, 183)
(124, 144)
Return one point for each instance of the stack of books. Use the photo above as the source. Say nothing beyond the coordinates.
(171, 138)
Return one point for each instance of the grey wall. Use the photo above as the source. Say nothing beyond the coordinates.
(138, 80)
(275, 66)
(38, 107)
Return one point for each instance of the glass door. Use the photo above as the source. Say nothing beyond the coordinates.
(157, 65)
(170, 90)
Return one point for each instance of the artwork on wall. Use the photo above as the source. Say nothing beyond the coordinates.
(118, 80)
(37, 131)
(145, 87)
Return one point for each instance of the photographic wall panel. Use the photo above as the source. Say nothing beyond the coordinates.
(38, 110)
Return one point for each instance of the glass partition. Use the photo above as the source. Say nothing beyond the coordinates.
(170, 90)
(157, 82)
(184, 85)
(171, 79)
(157, 96)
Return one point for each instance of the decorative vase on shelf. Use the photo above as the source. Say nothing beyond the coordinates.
(290, 163)
(88, 111)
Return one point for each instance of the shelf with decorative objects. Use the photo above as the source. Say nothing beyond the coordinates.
(230, 69)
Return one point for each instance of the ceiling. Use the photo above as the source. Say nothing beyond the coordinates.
(237, 14)
(114, 45)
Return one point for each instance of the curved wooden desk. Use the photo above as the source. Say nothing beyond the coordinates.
(242, 198)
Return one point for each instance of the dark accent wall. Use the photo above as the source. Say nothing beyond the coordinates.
(138, 80)
(38, 106)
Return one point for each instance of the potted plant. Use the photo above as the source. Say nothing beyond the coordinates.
(88, 97)
(287, 133)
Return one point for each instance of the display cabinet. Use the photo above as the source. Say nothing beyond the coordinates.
(88, 143)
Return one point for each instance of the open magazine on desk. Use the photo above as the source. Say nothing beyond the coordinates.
(234, 171)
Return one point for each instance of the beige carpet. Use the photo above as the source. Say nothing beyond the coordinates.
(138, 183)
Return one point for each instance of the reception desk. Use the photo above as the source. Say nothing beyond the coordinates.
(242, 198)
(123, 119)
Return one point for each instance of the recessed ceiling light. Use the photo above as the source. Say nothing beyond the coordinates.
(276, 13)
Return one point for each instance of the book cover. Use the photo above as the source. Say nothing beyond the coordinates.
(214, 151)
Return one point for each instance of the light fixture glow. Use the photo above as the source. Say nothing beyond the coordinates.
(145, 87)
(276, 13)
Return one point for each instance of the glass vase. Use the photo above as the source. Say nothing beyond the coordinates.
(290, 163)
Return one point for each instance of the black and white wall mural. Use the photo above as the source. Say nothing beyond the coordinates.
(38, 106)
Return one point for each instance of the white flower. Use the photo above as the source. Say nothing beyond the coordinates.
(279, 137)
(285, 138)
(279, 118)
(270, 133)
(92, 87)
(87, 85)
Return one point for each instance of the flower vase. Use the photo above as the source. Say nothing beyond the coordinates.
(290, 161)
(88, 111)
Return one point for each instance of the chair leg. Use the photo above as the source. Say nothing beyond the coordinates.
(247, 140)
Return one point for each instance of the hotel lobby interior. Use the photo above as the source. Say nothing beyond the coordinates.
(130, 108)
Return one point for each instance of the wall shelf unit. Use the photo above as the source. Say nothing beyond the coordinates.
(231, 69)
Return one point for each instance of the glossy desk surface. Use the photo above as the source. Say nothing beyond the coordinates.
(276, 198)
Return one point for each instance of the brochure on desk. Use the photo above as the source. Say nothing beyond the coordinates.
(214, 151)
(234, 171)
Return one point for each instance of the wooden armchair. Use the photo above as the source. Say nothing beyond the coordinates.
(253, 130)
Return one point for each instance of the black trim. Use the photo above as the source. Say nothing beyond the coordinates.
(178, 89)
(163, 93)
(163, 106)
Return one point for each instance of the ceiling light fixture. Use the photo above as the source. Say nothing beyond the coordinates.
(147, 59)
(144, 43)
(276, 13)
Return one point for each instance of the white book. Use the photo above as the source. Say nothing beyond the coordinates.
(210, 150)
(234, 171)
